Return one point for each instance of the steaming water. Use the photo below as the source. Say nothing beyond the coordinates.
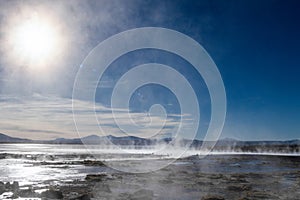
(22, 162)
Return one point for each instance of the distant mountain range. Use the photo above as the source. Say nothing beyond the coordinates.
(8, 139)
(226, 144)
(91, 139)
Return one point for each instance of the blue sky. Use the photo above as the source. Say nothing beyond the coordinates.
(254, 44)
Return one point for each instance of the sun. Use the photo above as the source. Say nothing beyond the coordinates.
(34, 40)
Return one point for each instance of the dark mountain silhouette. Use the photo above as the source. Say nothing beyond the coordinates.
(7, 139)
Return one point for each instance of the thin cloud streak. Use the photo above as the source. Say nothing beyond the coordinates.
(41, 117)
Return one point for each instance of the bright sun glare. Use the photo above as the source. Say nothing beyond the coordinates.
(34, 40)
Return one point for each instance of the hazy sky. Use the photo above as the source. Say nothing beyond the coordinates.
(255, 45)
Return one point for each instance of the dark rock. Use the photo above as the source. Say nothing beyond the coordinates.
(3, 155)
(27, 193)
(84, 197)
(93, 163)
(2, 187)
(95, 177)
(8, 186)
(15, 185)
(52, 194)
(81, 197)
(212, 197)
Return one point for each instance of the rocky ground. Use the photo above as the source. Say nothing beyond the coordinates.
(211, 178)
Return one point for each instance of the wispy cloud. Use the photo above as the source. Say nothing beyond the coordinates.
(41, 117)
